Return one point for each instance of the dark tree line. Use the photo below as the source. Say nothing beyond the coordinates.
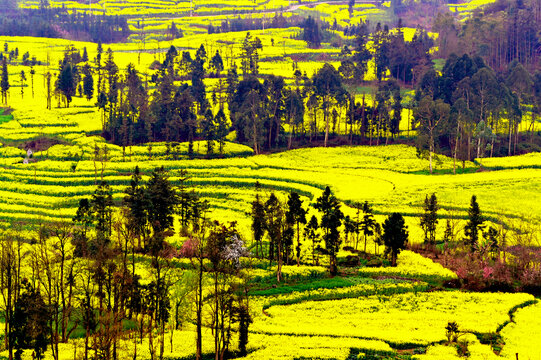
(57, 22)
(249, 24)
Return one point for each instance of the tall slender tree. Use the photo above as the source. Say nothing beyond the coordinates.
(474, 226)
(296, 215)
(331, 220)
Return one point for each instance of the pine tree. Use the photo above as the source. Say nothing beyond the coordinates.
(23, 79)
(88, 83)
(4, 82)
(367, 223)
(331, 219)
(221, 129)
(84, 58)
(274, 221)
(296, 215)
(258, 223)
(30, 322)
(395, 236)
(429, 218)
(102, 209)
(67, 84)
(312, 234)
(474, 225)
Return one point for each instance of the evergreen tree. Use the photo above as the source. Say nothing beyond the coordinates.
(88, 83)
(197, 76)
(162, 200)
(208, 131)
(367, 223)
(327, 87)
(296, 215)
(4, 82)
(221, 129)
(258, 223)
(311, 33)
(67, 84)
(23, 79)
(29, 324)
(274, 221)
(331, 219)
(474, 224)
(429, 218)
(311, 233)
(102, 209)
(185, 199)
(395, 236)
(217, 63)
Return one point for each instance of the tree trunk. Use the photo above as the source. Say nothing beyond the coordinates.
(298, 245)
(326, 116)
(279, 267)
(456, 147)
(199, 310)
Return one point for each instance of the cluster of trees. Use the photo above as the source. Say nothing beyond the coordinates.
(60, 23)
(475, 229)
(84, 275)
(392, 55)
(282, 222)
(468, 104)
(461, 108)
(505, 31)
(11, 56)
(278, 21)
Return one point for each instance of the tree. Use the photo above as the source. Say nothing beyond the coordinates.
(311, 33)
(351, 5)
(88, 84)
(474, 224)
(258, 223)
(137, 202)
(367, 223)
(429, 218)
(224, 250)
(30, 323)
(208, 131)
(521, 83)
(331, 219)
(217, 63)
(395, 236)
(274, 219)
(429, 115)
(23, 79)
(382, 42)
(221, 129)
(312, 234)
(83, 220)
(67, 84)
(9, 285)
(327, 86)
(102, 209)
(32, 73)
(296, 215)
(163, 199)
(294, 112)
(4, 82)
